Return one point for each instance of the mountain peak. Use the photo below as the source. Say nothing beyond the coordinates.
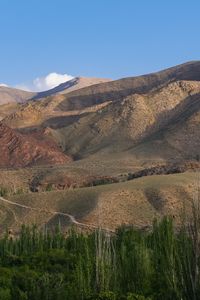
(71, 85)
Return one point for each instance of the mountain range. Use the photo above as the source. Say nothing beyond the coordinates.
(13, 95)
(88, 132)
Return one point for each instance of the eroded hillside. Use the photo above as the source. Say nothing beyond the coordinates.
(18, 150)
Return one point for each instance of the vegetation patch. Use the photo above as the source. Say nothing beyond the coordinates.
(129, 265)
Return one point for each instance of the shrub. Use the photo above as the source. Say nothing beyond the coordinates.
(3, 191)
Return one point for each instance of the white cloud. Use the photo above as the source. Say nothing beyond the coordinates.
(44, 83)
(3, 84)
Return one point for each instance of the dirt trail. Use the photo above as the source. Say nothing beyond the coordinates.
(72, 218)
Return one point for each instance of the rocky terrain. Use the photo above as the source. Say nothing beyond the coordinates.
(18, 150)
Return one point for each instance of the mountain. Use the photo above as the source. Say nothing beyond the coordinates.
(10, 98)
(12, 95)
(118, 89)
(122, 115)
(71, 85)
(113, 131)
(110, 91)
(137, 118)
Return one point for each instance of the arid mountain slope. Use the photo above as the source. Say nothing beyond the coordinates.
(91, 96)
(19, 150)
(118, 89)
(151, 110)
(126, 123)
(35, 112)
(11, 95)
(8, 109)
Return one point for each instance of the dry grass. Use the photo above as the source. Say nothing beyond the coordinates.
(135, 202)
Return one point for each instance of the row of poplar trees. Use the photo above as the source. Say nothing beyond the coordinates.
(131, 264)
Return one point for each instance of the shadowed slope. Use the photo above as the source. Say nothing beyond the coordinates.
(71, 85)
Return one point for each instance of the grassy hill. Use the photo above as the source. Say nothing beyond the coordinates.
(135, 202)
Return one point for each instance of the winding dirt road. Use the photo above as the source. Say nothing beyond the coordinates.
(72, 218)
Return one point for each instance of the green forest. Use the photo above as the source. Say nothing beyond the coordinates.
(161, 263)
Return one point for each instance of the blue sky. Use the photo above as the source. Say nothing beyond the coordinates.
(95, 38)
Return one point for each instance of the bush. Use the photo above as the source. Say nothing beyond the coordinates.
(5, 294)
(49, 187)
(136, 297)
(104, 296)
(3, 192)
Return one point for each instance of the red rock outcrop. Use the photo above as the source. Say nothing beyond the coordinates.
(21, 150)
